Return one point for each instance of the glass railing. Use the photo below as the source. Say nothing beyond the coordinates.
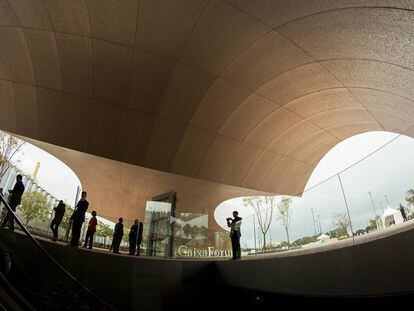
(352, 206)
(40, 278)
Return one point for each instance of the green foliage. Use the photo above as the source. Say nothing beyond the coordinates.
(66, 218)
(34, 206)
(305, 240)
(125, 237)
(104, 230)
(341, 222)
(410, 197)
(372, 225)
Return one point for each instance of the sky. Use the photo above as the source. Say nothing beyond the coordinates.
(388, 172)
(53, 175)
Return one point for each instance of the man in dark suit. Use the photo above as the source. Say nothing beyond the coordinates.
(118, 234)
(59, 213)
(78, 217)
(14, 200)
(133, 237)
(139, 237)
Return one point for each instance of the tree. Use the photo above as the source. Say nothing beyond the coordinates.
(187, 230)
(284, 214)
(372, 224)
(263, 207)
(66, 218)
(34, 206)
(125, 237)
(9, 149)
(410, 197)
(341, 222)
(104, 230)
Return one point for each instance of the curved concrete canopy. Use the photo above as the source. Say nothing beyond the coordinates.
(116, 189)
(245, 93)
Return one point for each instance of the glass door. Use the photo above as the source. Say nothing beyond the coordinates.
(157, 225)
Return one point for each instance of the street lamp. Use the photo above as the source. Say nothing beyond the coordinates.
(382, 207)
(320, 226)
(373, 206)
(314, 224)
(388, 202)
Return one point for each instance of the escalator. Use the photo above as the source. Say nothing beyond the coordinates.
(31, 279)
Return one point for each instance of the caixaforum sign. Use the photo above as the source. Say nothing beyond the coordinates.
(184, 251)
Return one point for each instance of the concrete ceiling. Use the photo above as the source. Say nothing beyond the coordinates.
(244, 93)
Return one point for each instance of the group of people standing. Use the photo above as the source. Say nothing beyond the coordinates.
(135, 237)
(77, 220)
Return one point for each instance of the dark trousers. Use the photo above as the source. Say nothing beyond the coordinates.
(76, 230)
(89, 236)
(138, 246)
(132, 244)
(235, 244)
(117, 242)
(54, 225)
(9, 219)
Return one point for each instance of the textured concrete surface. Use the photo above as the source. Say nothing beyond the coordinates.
(233, 92)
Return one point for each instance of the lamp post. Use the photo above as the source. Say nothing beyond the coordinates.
(314, 224)
(373, 206)
(320, 226)
(388, 202)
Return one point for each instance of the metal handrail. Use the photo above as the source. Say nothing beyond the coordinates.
(40, 247)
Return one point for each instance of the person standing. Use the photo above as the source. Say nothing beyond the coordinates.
(91, 230)
(133, 233)
(14, 200)
(139, 237)
(402, 211)
(78, 217)
(118, 234)
(235, 233)
(59, 213)
(4, 209)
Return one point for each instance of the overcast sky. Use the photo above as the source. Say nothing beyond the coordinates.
(387, 172)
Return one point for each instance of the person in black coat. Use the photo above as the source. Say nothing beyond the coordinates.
(78, 217)
(139, 237)
(118, 234)
(14, 200)
(133, 237)
(59, 213)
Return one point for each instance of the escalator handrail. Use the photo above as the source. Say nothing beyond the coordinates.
(40, 247)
